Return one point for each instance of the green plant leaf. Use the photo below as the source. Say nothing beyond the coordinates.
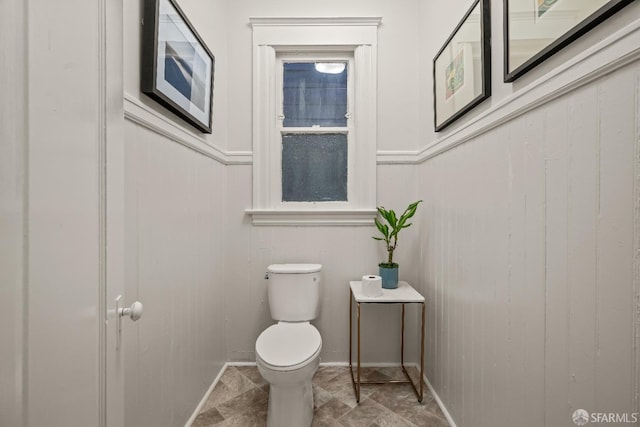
(378, 238)
(393, 220)
(408, 213)
(395, 224)
(382, 228)
(384, 214)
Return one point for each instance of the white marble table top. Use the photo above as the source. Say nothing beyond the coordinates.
(404, 293)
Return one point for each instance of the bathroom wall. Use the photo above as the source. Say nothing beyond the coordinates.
(530, 234)
(346, 253)
(193, 257)
(175, 241)
(516, 206)
(12, 211)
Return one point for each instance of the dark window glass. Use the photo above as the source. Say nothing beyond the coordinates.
(315, 98)
(314, 167)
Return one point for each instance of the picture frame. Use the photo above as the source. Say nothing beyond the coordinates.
(177, 66)
(462, 67)
(534, 30)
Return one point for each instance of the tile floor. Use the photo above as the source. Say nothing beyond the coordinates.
(240, 399)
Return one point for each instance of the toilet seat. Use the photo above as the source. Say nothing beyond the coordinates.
(288, 346)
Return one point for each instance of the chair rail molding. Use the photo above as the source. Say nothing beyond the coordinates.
(137, 112)
(616, 51)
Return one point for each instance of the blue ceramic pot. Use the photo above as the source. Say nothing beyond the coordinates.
(389, 277)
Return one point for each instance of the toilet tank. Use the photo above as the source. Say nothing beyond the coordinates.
(294, 291)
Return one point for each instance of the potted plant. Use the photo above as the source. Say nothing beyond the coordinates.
(390, 231)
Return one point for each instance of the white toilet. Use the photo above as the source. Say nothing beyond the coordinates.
(288, 353)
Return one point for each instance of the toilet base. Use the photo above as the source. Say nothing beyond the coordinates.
(290, 395)
(290, 406)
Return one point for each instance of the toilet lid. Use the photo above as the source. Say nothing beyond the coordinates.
(288, 344)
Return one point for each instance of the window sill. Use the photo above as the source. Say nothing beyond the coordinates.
(351, 217)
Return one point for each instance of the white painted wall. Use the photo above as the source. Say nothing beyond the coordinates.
(175, 215)
(529, 238)
(174, 252)
(526, 245)
(397, 58)
(12, 210)
(346, 253)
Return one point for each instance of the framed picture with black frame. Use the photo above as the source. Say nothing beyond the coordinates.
(177, 67)
(536, 29)
(462, 67)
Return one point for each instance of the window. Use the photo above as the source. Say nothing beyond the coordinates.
(314, 132)
(314, 126)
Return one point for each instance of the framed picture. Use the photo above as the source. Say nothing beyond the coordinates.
(536, 29)
(462, 67)
(177, 67)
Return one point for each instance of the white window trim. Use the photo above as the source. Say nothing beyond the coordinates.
(277, 36)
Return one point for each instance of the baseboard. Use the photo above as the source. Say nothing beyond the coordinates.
(206, 396)
(241, 363)
(339, 364)
(443, 408)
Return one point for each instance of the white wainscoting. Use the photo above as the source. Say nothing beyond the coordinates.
(175, 264)
(529, 257)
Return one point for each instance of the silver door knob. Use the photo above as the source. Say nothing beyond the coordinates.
(134, 312)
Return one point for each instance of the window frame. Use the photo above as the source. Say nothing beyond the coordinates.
(320, 39)
(349, 129)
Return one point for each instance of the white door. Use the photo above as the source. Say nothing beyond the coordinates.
(60, 212)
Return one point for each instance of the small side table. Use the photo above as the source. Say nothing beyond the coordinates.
(403, 294)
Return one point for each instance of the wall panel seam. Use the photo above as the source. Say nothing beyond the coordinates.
(26, 229)
(636, 255)
(102, 98)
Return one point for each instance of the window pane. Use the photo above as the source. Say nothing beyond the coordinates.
(314, 167)
(313, 97)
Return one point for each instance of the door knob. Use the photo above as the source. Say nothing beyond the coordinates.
(134, 312)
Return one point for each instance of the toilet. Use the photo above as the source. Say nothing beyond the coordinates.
(288, 353)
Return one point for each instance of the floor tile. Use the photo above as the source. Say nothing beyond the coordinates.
(363, 415)
(401, 400)
(249, 401)
(390, 419)
(320, 396)
(252, 373)
(218, 396)
(334, 408)
(323, 419)
(236, 381)
(372, 374)
(325, 374)
(241, 399)
(208, 418)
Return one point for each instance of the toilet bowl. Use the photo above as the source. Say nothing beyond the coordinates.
(288, 353)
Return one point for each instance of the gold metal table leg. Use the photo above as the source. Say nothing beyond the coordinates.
(420, 393)
(358, 393)
(422, 355)
(402, 340)
(356, 380)
(353, 382)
